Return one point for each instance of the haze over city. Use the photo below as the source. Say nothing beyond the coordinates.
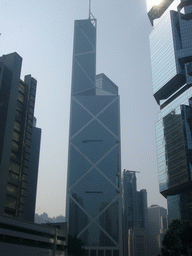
(41, 32)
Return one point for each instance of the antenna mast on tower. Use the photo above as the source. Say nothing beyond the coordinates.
(91, 17)
(89, 9)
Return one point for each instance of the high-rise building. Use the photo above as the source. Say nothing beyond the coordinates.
(171, 62)
(19, 141)
(134, 213)
(94, 176)
(137, 242)
(157, 226)
(19, 158)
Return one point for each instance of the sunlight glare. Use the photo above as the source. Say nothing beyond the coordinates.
(151, 3)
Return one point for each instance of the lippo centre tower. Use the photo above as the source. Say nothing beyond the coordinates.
(94, 169)
(171, 63)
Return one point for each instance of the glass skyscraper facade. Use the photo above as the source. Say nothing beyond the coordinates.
(171, 62)
(94, 174)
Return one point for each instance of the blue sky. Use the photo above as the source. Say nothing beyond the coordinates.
(41, 32)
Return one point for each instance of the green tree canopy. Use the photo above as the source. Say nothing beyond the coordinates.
(177, 240)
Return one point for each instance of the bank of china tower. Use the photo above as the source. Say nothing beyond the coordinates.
(93, 186)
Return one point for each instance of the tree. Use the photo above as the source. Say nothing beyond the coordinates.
(177, 240)
(75, 246)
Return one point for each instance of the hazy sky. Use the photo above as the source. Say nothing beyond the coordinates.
(41, 32)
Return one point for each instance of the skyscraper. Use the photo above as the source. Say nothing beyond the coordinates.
(157, 225)
(93, 189)
(171, 62)
(18, 156)
(134, 209)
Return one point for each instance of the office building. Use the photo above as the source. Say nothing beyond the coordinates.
(134, 213)
(19, 159)
(138, 242)
(94, 178)
(171, 62)
(157, 226)
(19, 141)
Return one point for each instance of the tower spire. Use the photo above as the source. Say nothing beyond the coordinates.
(91, 17)
(89, 9)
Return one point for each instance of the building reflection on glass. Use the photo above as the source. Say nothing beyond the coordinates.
(171, 62)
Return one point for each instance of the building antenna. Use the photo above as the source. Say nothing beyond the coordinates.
(89, 9)
(91, 17)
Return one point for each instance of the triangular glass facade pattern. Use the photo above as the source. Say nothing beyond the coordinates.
(93, 189)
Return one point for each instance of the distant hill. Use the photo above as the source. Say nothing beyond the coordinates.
(44, 218)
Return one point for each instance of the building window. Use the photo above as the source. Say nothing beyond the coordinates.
(17, 126)
(10, 202)
(101, 253)
(22, 88)
(14, 167)
(15, 146)
(93, 253)
(15, 136)
(12, 189)
(108, 253)
(115, 253)
(21, 97)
